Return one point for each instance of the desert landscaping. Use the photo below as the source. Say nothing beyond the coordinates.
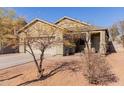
(67, 72)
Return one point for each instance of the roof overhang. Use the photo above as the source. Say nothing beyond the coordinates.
(36, 20)
(72, 19)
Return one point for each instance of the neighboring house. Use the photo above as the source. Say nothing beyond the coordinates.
(97, 38)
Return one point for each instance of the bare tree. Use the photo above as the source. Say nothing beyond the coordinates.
(8, 22)
(114, 31)
(45, 40)
(121, 24)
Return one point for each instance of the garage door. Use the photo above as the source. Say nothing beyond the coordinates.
(48, 52)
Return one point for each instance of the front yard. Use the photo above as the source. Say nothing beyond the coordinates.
(65, 71)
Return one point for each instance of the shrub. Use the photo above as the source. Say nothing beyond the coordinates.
(97, 70)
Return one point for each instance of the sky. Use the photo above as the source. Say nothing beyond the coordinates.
(99, 16)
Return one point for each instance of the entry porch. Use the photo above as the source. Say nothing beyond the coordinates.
(94, 40)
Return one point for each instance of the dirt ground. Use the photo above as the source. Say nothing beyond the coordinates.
(116, 60)
(66, 71)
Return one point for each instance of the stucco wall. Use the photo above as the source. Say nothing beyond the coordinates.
(39, 29)
(70, 24)
(47, 29)
(74, 26)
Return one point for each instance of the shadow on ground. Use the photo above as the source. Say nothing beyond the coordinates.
(72, 66)
(11, 77)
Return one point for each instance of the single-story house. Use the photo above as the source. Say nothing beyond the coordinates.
(97, 38)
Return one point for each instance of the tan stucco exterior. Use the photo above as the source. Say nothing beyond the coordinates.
(45, 29)
(76, 26)
(65, 24)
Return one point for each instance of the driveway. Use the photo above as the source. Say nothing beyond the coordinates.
(9, 60)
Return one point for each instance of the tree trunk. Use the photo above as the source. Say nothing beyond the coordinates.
(35, 60)
(41, 64)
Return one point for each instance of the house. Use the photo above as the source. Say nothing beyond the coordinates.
(31, 31)
(97, 38)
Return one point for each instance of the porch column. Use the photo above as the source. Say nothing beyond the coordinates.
(102, 42)
(88, 38)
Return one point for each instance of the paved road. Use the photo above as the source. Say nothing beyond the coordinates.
(14, 59)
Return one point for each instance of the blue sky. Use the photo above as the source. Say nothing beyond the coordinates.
(103, 17)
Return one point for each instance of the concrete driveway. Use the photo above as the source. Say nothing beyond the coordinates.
(9, 60)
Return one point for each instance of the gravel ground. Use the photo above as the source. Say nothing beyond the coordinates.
(69, 72)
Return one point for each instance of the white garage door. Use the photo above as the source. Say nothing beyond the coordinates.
(48, 52)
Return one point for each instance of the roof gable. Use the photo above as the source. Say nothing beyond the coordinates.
(71, 19)
(82, 25)
(39, 20)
